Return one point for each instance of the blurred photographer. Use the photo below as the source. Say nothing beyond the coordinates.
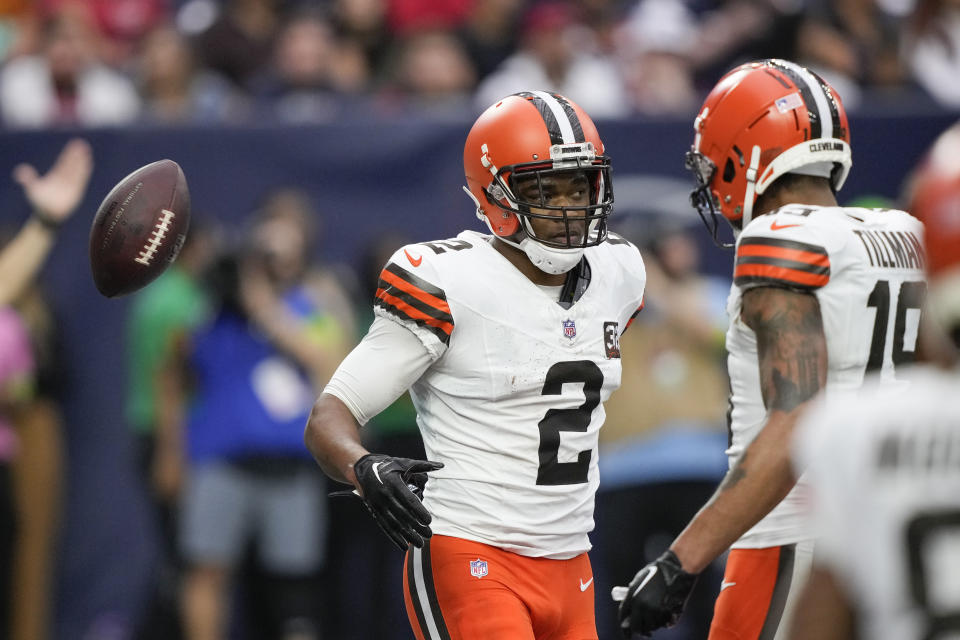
(244, 383)
(175, 304)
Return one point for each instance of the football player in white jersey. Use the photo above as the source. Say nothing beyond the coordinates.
(822, 295)
(884, 469)
(509, 344)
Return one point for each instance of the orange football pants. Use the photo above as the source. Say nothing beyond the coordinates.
(758, 591)
(457, 589)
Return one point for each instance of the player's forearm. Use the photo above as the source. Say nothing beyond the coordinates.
(22, 258)
(761, 478)
(792, 357)
(333, 437)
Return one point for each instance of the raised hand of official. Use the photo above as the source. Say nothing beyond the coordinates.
(656, 596)
(391, 490)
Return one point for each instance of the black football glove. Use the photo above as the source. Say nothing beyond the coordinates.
(392, 488)
(656, 596)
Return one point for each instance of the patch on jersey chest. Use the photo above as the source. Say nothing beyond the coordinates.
(569, 329)
(611, 339)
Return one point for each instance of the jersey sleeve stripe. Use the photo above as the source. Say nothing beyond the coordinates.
(796, 255)
(781, 262)
(633, 317)
(442, 328)
(822, 269)
(746, 275)
(395, 278)
(613, 238)
(397, 295)
(780, 243)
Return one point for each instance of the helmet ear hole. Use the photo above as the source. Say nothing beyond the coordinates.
(502, 222)
(729, 171)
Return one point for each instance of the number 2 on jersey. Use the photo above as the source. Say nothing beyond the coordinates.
(551, 470)
(910, 296)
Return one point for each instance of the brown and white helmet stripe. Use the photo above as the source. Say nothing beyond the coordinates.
(817, 98)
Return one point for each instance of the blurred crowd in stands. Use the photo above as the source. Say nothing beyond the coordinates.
(113, 62)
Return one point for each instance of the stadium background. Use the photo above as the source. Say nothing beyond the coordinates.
(367, 177)
(370, 171)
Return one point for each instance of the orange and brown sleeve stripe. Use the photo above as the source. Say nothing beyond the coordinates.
(410, 298)
(765, 262)
(634, 316)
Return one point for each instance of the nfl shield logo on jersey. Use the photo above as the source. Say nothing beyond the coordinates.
(478, 568)
(569, 329)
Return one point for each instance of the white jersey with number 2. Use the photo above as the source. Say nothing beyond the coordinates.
(513, 401)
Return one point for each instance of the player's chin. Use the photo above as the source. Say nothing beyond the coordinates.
(566, 242)
(565, 238)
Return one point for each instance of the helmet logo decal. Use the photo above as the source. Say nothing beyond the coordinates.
(820, 107)
(788, 102)
(826, 146)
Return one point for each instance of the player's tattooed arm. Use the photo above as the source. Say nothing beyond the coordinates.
(790, 345)
(792, 354)
(791, 350)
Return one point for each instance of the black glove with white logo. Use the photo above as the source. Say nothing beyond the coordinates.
(656, 596)
(392, 488)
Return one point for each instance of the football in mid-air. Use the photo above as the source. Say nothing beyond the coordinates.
(139, 228)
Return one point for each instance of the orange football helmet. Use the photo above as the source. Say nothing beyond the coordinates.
(760, 121)
(934, 197)
(533, 134)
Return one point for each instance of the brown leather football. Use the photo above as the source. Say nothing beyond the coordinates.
(139, 228)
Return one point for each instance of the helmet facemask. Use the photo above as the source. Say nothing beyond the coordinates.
(584, 225)
(566, 230)
(702, 197)
(525, 190)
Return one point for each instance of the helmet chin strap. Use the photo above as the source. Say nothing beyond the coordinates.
(547, 259)
(751, 187)
(477, 209)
